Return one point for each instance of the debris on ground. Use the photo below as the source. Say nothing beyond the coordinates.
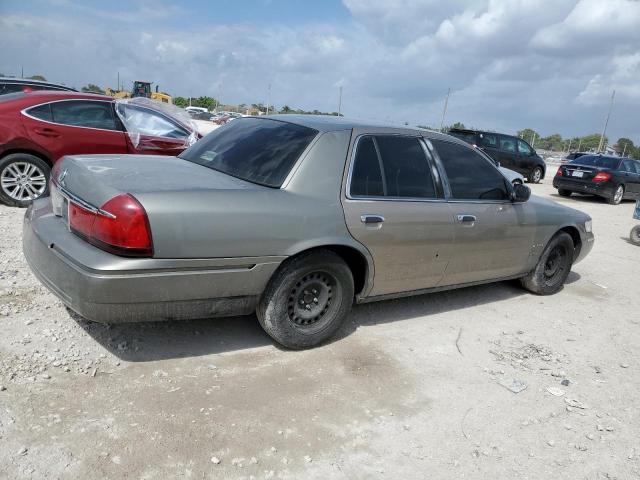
(514, 385)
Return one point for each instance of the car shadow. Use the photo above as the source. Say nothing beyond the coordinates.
(151, 341)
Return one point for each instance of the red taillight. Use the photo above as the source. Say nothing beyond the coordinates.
(602, 177)
(121, 228)
(559, 172)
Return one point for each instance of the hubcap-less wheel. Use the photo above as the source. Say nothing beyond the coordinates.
(635, 235)
(536, 175)
(555, 265)
(617, 196)
(310, 302)
(23, 181)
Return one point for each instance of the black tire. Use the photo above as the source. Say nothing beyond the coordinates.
(553, 267)
(11, 167)
(564, 193)
(517, 181)
(617, 196)
(535, 175)
(307, 299)
(634, 235)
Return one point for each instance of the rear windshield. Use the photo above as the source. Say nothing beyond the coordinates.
(261, 151)
(597, 161)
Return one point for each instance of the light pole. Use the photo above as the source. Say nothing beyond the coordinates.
(444, 110)
(340, 100)
(606, 122)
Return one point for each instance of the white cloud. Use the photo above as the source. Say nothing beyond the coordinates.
(541, 63)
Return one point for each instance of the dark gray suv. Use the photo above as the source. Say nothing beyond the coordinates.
(511, 152)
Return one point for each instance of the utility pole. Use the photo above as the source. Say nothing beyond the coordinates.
(268, 99)
(21, 71)
(579, 143)
(624, 150)
(606, 122)
(569, 149)
(118, 84)
(533, 139)
(340, 100)
(444, 110)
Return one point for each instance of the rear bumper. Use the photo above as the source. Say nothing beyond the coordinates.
(604, 189)
(111, 289)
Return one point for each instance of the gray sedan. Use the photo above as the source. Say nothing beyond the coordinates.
(294, 218)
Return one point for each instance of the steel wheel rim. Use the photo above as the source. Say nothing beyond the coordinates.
(617, 197)
(555, 265)
(23, 181)
(537, 174)
(312, 300)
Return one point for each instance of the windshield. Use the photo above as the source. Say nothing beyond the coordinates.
(261, 151)
(597, 161)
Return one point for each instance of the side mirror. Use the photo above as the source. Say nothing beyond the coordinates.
(521, 193)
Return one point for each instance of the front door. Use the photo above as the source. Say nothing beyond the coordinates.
(493, 237)
(394, 206)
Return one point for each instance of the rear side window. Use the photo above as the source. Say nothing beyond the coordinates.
(508, 144)
(406, 169)
(630, 166)
(468, 137)
(41, 112)
(83, 113)
(366, 178)
(261, 151)
(471, 176)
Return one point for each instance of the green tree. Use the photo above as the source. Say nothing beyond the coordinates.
(590, 142)
(91, 88)
(528, 135)
(286, 109)
(552, 142)
(206, 102)
(458, 125)
(37, 77)
(625, 145)
(180, 102)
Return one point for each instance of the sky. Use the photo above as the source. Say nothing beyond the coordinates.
(550, 65)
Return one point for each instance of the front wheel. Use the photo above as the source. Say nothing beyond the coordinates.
(23, 178)
(552, 269)
(616, 196)
(535, 176)
(307, 299)
(634, 236)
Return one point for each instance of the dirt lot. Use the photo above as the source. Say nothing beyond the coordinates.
(412, 389)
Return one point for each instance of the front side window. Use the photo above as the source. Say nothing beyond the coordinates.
(41, 112)
(144, 121)
(489, 140)
(508, 144)
(524, 149)
(471, 176)
(83, 113)
(366, 178)
(261, 151)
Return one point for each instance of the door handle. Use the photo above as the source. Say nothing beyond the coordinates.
(466, 218)
(46, 132)
(371, 219)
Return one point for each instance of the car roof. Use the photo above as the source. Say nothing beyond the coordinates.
(52, 95)
(330, 123)
(29, 81)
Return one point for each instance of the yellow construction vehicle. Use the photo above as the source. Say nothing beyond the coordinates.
(140, 89)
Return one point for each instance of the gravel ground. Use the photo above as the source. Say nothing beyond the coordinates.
(414, 388)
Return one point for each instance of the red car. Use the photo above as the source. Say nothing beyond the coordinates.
(38, 128)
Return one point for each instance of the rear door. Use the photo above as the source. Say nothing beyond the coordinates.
(394, 205)
(631, 176)
(70, 127)
(492, 236)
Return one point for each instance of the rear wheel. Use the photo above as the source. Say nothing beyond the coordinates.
(616, 196)
(23, 178)
(634, 236)
(552, 269)
(535, 176)
(564, 193)
(307, 300)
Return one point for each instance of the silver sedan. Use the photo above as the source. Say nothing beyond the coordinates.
(294, 218)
